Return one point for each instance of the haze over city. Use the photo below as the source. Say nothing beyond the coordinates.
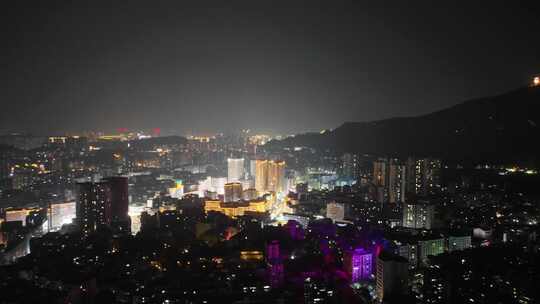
(279, 66)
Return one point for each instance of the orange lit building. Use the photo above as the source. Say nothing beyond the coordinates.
(18, 214)
(251, 255)
(269, 176)
(236, 209)
(261, 175)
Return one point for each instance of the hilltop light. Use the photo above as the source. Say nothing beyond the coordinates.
(536, 81)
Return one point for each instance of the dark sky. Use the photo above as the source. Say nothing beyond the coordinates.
(283, 66)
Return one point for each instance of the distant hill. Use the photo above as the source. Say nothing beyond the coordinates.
(151, 143)
(504, 128)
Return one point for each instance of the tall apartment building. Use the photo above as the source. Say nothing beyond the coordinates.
(103, 203)
(389, 179)
(423, 175)
(418, 215)
(235, 169)
(392, 276)
(270, 176)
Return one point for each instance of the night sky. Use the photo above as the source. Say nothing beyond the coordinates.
(281, 66)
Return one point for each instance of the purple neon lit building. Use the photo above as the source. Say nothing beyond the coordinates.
(358, 264)
(275, 264)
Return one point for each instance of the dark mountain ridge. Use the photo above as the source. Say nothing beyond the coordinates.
(503, 128)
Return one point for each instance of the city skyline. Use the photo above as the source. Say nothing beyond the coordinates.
(315, 152)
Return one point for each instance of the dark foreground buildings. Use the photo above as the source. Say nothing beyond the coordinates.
(103, 203)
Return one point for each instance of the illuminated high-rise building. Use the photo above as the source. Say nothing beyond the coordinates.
(423, 175)
(276, 176)
(359, 264)
(261, 175)
(103, 203)
(350, 166)
(233, 192)
(120, 203)
(235, 169)
(274, 264)
(396, 182)
(379, 179)
(430, 245)
(418, 215)
(389, 179)
(379, 172)
(93, 207)
(270, 176)
(252, 168)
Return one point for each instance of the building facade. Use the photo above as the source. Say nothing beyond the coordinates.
(233, 192)
(392, 276)
(418, 215)
(359, 264)
(103, 203)
(235, 169)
